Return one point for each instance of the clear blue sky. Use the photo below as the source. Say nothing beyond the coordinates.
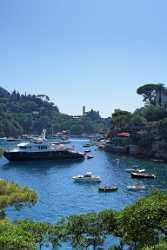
(83, 52)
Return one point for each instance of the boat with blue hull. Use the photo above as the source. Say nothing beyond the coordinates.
(42, 149)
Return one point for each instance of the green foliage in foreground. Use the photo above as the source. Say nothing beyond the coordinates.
(15, 238)
(12, 194)
(43, 233)
(143, 222)
(162, 245)
(91, 229)
(140, 226)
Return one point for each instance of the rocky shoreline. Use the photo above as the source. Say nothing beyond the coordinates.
(134, 151)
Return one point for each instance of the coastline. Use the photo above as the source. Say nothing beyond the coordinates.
(140, 156)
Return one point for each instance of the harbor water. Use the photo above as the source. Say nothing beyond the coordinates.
(59, 196)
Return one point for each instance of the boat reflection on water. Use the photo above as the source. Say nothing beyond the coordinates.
(39, 164)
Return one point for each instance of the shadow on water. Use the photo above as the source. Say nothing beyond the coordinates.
(39, 165)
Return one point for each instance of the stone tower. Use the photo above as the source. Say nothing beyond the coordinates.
(83, 110)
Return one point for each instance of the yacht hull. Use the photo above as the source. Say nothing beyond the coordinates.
(47, 155)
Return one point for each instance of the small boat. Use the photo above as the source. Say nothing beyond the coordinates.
(136, 187)
(87, 177)
(157, 160)
(87, 145)
(90, 156)
(142, 175)
(108, 189)
(87, 151)
(129, 170)
(101, 146)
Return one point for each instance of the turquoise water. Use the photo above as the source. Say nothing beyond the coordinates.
(59, 196)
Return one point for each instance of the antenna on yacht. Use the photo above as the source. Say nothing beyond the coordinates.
(43, 135)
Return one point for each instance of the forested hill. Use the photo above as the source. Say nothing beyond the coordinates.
(29, 114)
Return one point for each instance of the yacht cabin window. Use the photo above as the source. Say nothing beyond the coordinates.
(42, 147)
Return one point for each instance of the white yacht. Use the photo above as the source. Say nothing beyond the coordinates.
(87, 177)
(41, 149)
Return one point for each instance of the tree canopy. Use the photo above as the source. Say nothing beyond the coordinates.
(11, 194)
(152, 93)
(11, 236)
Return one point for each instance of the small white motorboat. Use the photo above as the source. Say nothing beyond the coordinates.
(136, 187)
(129, 170)
(89, 156)
(87, 177)
(87, 151)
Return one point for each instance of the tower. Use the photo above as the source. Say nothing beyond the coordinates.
(83, 110)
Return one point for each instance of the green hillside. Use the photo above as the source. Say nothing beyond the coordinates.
(29, 114)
